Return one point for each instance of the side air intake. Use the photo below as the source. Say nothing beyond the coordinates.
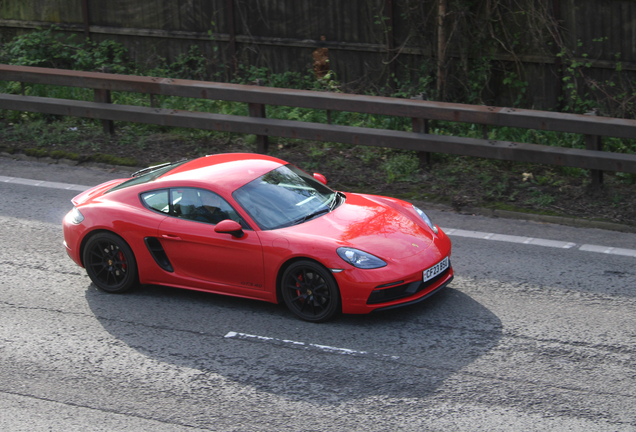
(157, 252)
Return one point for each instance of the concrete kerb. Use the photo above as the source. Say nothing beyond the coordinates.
(558, 220)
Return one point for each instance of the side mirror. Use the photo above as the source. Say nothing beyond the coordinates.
(228, 226)
(321, 178)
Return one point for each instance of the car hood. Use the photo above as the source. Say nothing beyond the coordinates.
(364, 222)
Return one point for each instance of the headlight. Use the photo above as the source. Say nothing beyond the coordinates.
(426, 219)
(75, 216)
(360, 259)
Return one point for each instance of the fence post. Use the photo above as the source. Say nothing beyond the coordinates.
(258, 110)
(594, 142)
(232, 33)
(392, 57)
(85, 16)
(421, 126)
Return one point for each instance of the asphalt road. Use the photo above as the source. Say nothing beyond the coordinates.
(527, 337)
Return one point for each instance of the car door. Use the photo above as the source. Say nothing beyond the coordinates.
(197, 251)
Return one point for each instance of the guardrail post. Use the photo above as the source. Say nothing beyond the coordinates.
(421, 126)
(594, 142)
(258, 110)
(103, 96)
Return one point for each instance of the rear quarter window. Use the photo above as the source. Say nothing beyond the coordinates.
(156, 200)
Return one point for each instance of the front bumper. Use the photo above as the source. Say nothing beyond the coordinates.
(400, 284)
(397, 291)
(419, 299)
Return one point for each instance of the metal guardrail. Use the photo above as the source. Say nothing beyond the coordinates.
(257, 97)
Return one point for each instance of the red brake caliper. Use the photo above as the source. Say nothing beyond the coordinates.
(122, 258)
(300, 278)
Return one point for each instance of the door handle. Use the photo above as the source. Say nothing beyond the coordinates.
(170, 237)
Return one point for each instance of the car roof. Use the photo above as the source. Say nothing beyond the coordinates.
(229, 170)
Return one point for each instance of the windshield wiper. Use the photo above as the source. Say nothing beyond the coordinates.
(334, 203)
(310, 216)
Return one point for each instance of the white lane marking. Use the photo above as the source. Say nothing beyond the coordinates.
(42, 183)
(608, 250)
(449, 231)
(510, 238)
(304, 345)
(552, 243)
(539, 242)
(624, 252)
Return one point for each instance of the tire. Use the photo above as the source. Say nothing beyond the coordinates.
(310, 291)
(110, 263)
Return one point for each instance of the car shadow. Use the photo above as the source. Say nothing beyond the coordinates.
(405, 352)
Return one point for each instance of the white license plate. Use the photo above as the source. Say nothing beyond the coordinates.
(430, 273)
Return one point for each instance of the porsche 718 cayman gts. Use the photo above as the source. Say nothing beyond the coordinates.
(257, 227)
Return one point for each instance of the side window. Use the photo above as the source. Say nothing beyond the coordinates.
(156, 200)
(202, 206)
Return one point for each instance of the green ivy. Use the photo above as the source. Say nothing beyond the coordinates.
(48, 48)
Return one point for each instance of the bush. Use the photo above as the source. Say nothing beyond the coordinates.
(45, 48)
(400, 167)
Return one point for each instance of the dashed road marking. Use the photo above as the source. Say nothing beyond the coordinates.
(43, 183)
(608, 250)
(305, 345)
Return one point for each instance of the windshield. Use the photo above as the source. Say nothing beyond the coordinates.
(283, 197)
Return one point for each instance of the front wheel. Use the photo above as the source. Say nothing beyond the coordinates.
(310, 291)
(110, 263)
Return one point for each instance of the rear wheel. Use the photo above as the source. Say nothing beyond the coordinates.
(110, 263)
(310, 291)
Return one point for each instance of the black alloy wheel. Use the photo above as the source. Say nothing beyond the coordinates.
(310, 291)
(110, 263)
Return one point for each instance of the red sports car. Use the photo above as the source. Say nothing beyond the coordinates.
(257, 227)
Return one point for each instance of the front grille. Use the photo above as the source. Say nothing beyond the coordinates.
(405, 290)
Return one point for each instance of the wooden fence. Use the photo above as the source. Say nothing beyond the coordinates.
(368, 40)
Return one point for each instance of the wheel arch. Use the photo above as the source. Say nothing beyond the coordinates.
(93, 233)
